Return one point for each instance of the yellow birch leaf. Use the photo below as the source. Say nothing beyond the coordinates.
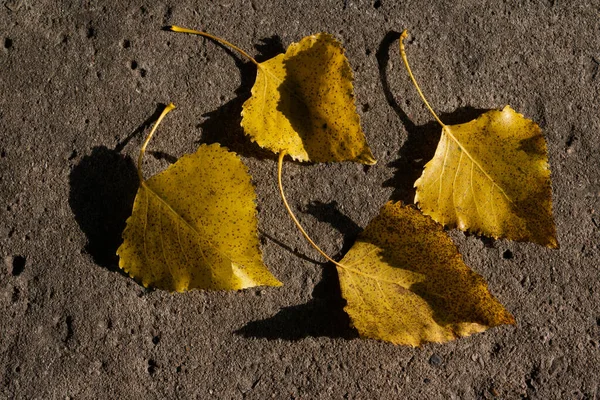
(302, 102)
(194, 225)
(405, 282)
(489, 176)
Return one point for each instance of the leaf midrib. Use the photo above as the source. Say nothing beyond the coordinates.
(447, 130)
(348, 268)
(200, 235)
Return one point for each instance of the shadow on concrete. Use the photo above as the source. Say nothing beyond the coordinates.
(324, 314)
(422, 140)
(286, 247)
(329, 213)
(102, 190)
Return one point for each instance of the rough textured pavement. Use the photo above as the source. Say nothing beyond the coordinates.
(81, 80)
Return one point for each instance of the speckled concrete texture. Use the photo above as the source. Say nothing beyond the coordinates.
(80, 82)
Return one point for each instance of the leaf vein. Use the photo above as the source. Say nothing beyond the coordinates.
(386, 300)
(442, 175)
(192, 228)
(162, 243)
(447, 130)
(454, 186)
(473, 193)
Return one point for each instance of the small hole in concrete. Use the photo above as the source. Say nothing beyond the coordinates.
(435, 360)
(134, 65)
(377, 4)
(496, 349)
(15, 295)
(151, 366)
(126, 44)
(18, 265)
(507, 254)
(8, 43)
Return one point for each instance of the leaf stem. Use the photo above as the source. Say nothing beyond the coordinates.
(282, 154)
(215, 38)
(167, 109)
(412, 77)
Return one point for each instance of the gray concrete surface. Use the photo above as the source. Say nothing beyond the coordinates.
(79, 82)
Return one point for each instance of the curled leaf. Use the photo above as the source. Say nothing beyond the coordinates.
(405, 282)
(303, 103)
(194, 226)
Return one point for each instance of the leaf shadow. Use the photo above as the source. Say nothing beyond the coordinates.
(103, 186)
(324, 314)
(422, 140)
(330, 213)
(295, 252)
(223, 124)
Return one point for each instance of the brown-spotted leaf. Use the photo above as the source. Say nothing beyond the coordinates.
(194, 226)
(405, 282)
(303, 103)
(491, 176)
